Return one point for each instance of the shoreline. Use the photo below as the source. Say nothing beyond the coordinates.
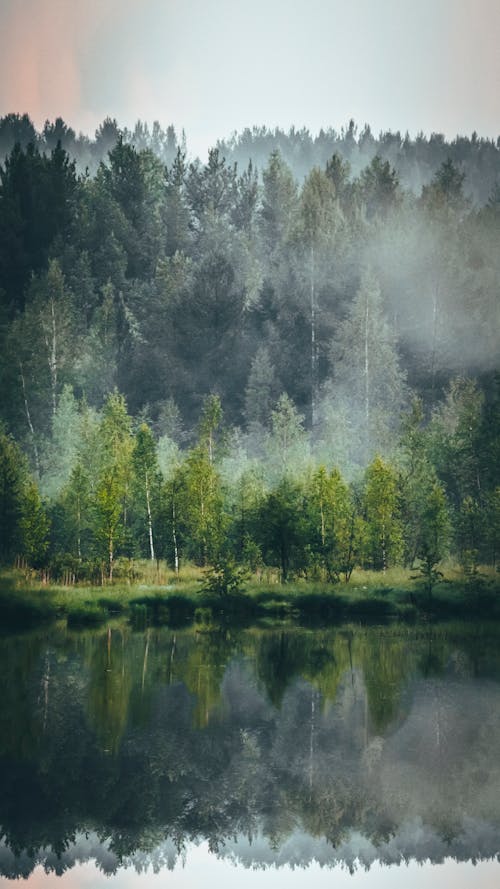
(308, 603)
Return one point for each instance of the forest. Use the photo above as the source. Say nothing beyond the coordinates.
(283, 359)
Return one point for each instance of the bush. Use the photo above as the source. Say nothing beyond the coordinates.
(224, 577)
(88, 614)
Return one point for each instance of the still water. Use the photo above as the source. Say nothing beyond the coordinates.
(355, 756)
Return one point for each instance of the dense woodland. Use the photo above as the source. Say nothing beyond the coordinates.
(284, 357)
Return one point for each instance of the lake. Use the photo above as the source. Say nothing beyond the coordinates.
(271, 756)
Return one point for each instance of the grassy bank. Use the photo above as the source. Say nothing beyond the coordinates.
(369, 596)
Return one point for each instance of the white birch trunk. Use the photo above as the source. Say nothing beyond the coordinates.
(150, 520)
(28, 418)
(174, 539)
(313, 342)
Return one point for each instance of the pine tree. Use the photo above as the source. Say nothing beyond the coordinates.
(260, 392)
(34, 526)
(279, 204)
(175, 212)
(12, 472)
(434, 533)
(282, 527)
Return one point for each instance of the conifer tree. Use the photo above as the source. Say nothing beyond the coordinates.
(434, 532)
(12, 470)
(34, 526)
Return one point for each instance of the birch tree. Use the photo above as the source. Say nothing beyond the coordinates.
(53, 309)
(367, 380)
(336, 529)
(383, 523)
(146, 479)
(320, 219)
(113, 484)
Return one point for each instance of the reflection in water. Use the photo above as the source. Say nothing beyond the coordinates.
(347, 747)
(204, 869)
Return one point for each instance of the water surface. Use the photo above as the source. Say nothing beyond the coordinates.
(246, 754)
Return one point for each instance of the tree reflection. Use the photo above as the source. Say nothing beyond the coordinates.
(295, 737)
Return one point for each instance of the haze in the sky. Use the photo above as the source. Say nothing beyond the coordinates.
(214, 66)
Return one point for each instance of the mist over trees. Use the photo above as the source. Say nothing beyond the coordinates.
(198, 358)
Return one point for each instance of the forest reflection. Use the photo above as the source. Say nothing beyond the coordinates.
(276, 746)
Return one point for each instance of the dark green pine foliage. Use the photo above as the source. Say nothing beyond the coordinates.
(238, 283)
(282, 528)
(12, 475)
(38, 196)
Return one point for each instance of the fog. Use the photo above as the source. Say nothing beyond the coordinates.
(311, 304)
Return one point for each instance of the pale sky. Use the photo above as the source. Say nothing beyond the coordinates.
(214, 66)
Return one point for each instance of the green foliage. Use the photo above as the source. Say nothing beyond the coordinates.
(145, 489)
(210, 427)
(287, 445)
(336, 529)
(12, 475)
(224, 577)
(381, 508)
(260, 392)
(202, 505)
(114, 478)
(455, 439)
(34, 526)
(379, 188)
(279, 203)
(434, 536)
(446, 189)
(282, 530)
(319, 212)
(202, 291)
(492, 527)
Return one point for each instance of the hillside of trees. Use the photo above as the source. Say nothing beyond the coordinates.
(286, 356)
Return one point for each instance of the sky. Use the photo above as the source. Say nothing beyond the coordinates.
(215, 66)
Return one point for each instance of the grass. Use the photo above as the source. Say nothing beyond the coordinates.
(369, 596)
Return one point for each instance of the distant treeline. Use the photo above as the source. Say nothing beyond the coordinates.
(312, 316)
(416, 159)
